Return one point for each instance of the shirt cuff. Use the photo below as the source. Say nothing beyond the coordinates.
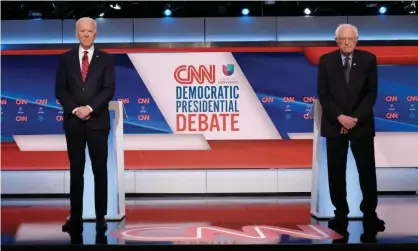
(91, 109)
(75, 110)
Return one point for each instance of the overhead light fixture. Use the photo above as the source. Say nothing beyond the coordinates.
(382, 10)
(410, 7)
(245, 11)
(167, 12)
(115, 6)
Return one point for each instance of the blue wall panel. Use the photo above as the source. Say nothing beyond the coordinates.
(31, 31)
(386, 27)
(232, 29)
(308, 28)
(240, 29)
(169, 29)
(108, 30)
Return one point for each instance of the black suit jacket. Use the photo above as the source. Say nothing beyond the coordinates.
(97, 91)
(355, 99)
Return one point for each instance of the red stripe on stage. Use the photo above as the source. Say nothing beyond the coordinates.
(137, 50)
(386, 55)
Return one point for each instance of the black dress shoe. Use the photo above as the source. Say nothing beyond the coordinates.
(72, 226)
(101, 224)
(339, 225)
(373, 224)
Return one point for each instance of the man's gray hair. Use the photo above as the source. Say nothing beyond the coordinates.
(341, 26)
(85, 19)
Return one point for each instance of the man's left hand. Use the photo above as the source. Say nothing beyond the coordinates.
(83, 112)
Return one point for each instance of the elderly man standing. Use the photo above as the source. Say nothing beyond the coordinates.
(347, 90)
(84, 86)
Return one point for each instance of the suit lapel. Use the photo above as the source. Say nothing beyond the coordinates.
(353, 69)
(77, 67)
(93, 63)
(340, 67)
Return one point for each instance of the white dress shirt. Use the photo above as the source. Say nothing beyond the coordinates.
(81, 51)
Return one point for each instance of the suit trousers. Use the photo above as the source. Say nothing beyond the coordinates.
(97, 143)
(363, 152)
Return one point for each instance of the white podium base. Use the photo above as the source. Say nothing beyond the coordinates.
(321, 206)
(115, 174)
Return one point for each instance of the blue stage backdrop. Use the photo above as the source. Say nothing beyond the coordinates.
(285, 84)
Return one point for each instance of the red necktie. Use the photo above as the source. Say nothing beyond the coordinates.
(85, 66)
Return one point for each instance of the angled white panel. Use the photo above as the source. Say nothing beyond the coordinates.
(157, 70)
(56, 142)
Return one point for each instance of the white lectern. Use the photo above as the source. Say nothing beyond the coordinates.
(321, 206)
(115, 169)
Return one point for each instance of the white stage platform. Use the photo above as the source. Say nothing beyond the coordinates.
(201, 181)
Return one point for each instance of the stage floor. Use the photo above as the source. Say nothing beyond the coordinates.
(234, 220)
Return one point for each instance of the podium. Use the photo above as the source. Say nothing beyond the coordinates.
(115, 169)
(321, 206)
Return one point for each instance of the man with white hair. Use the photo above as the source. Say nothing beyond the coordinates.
(84, 86)
(347, 90)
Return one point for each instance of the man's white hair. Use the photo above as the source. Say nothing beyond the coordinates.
(342, 26)
(85, 19)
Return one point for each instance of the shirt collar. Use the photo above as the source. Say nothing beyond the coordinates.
(343, 56)
(90, 50)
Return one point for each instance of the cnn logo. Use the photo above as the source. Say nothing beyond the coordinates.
(188, 74)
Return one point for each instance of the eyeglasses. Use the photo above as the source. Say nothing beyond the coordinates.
(350, 39)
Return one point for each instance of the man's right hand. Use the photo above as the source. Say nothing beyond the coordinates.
(347, 122)
(81, 115)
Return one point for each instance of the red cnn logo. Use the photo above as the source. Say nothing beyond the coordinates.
(124, 100)
(143, 100)
(209, 233)
(41, 101)
(308, 99)
(21, 118)
(188, 74)
(288, 99)
(391, 98)
(21, 102)
(267, 99)
(412, 98)
(392, 115)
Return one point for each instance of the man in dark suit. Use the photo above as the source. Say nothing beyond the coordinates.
(347, 90)
(84, 86)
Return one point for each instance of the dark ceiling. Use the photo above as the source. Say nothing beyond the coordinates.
(13, 10)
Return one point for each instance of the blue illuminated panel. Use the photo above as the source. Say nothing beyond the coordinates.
(308, 28)
(169, 29)
(386, 27)
(108, 30)
(230, 29)
(31, 31)
(225, 29)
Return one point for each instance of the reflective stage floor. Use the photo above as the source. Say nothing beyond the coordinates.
(267, 221)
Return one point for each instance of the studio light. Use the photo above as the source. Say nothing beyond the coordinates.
(167, 12)
(245, 11)
(382, 10)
